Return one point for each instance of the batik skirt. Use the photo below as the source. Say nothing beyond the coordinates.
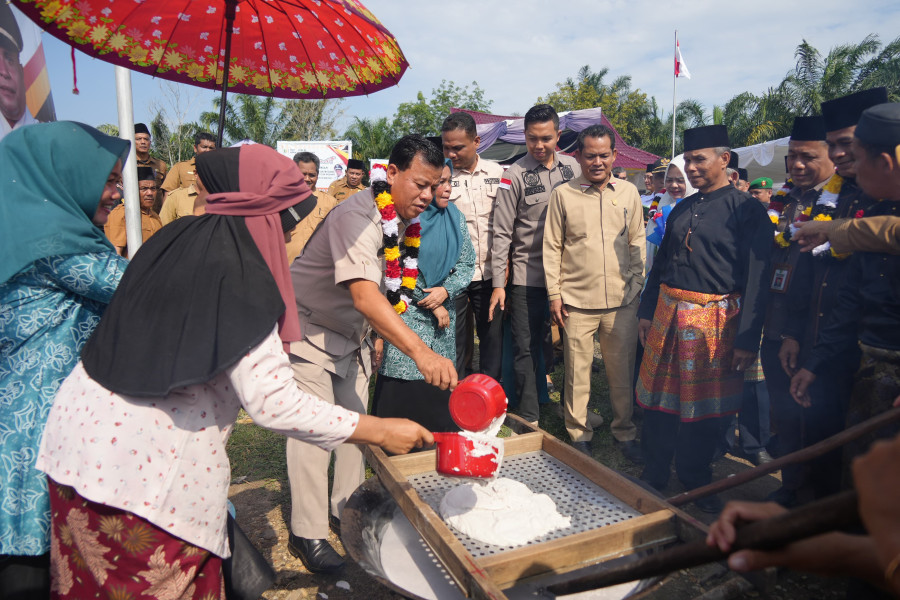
(97, 551)
(686, 369)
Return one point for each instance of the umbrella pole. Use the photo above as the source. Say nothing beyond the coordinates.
(230, 13)
(129, 169)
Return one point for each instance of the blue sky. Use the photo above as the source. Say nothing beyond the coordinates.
(517, 51)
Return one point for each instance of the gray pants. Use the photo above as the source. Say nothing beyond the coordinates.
(308, 465)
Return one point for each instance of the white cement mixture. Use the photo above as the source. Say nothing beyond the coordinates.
(502, 512)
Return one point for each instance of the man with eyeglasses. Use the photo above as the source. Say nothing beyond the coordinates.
(142, 143)
(701, 316)
(150, 222)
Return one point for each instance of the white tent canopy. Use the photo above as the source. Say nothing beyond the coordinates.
(765, 159)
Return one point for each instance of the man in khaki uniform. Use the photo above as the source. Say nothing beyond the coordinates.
(184, 202)
(474, 188)
(142, 154)
(594, 251)
(184, 173)
(338, 284)
(308, 163)
(350, 183)
(519, 234)
(150, 222)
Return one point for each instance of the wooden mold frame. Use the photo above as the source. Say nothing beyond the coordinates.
(659, 523)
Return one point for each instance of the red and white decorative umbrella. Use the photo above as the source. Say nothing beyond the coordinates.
(284, 48)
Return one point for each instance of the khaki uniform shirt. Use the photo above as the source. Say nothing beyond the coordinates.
(179, 203)
(159, 167)
(870, 234)
(474, 194)
(345, 247)
(182, 175)
(341, 190)
(303, 231)
(519, 218)
(594, 244)
(115, 226)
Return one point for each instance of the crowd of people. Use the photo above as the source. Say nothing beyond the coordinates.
(718, 307)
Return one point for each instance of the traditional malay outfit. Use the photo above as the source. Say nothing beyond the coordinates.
(705, 297)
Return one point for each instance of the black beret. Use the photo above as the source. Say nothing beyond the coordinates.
(880, 125)
(710, 136)
(845, 111)
(808, 129)
(355, 163)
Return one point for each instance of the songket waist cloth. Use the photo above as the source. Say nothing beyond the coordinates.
(688, 353)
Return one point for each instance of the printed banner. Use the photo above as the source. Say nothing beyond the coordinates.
(333, 157)
(25, 96)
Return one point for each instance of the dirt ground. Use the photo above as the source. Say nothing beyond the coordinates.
(263, 509)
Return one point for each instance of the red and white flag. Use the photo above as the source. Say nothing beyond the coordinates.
(681, 69)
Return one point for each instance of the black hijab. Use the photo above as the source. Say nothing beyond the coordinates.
(193, 301)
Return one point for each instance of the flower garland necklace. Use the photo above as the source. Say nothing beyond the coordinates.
(400, 269)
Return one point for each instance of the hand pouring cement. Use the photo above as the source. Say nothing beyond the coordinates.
(502, 512)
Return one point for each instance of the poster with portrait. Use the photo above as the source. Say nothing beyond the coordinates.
(25, 96)
(333, 157)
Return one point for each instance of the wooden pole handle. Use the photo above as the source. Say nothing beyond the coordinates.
(829, 514)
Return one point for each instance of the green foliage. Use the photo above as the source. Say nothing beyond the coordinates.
(266, 120)
(372, 138)
(424, 116)
(109, 129)
(172, 142)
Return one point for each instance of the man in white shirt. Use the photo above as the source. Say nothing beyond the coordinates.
(474, 190)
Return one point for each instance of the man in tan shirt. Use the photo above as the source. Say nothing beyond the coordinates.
(350, 183)
(594, 251)
(184, 173)
(142, 144)
(308, 163)
(473, 190)
(338, 284)
(150, 223)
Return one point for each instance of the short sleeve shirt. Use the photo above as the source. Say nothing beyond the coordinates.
(345, 247)
(181, 175)
(179, 203)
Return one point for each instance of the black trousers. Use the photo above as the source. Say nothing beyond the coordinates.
(692, 444)
(799, 427)
(528, 312)
(753, 422)
(24, 577)
(490, 333)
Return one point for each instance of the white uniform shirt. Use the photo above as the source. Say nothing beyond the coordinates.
(474, 194)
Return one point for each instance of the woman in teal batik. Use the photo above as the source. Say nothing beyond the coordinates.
(446, 265)
(58, 182)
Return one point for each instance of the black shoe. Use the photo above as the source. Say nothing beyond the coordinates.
(631, 450)
(584, 448)
(316, 555)
(760, 458)
(335, 524)
(710, 504)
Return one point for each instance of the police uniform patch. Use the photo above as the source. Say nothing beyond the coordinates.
(566, 172)
(454, 183)
(492, 180)
(537, 189)
(531, 179)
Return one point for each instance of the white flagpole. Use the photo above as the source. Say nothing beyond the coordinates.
(674, 85)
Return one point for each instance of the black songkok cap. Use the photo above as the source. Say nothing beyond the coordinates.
(845, 112)
(140, 128)
(880, 125)
(733, 160)
(355, 163)
(10, 36)
(146, 174)
(808, 129)
(710, 136)
(742, 174)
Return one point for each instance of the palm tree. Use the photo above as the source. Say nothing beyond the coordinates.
(846, 68)
(371, 138)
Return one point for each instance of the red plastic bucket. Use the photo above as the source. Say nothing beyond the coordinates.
(457, 455)
(476, 402)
